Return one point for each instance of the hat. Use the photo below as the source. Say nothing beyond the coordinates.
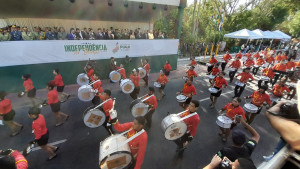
(238, 137)
(13, 26)
(25, 28)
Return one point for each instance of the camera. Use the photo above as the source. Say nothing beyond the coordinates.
(225, 164)
(289, 110)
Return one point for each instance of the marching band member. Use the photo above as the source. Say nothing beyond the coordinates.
(248, 54)
(55, 104)
(218, 83)
(291, 65)
(215, 71)
(139, 144)
(7, 115)
(279, 88)
(281, 67)
(249, 62)
(188, 90)
(122, 71)
(106, 107)
(152, 102)
(98, 89)
(163, 80)
(278, 58)
(60, 86)
(258, 98)
(226, 58)
(41, 132)
(193, 62)
(236, 64)
(192, 125)
(260, 61)
(29, 88)
(167, 68)
(191, 73)
(13, 160)
(135, 78)
(211, 61)
(268, 71)
(147, 68)
(270, 59)
(245, 76)
(90, 72)
(239, 55)
(256, 55)
(232, 109)
(284, 56)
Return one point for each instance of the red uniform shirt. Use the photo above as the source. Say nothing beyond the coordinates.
(90, 73)
(189, 91)
(58, 80)
(278, 58)
(268, 72)
(20, 160)
(279, 67)
(220, 82)
(239, 55)
(213, 61)
(249, 63)
(290, 65)
(122, 72)
(52, 96)
(138, 145)
(193, 63)
(260, 61)
(191, 73)
(270, 60)
(227, 57)
(147, 67)
(236, 64)
(256, 55)
(107, 106)
(152, 101)
(278, 90)
(39, 127)
(231, 111)
(245, 77)
(98, 86)
(168, 67)
(5, 106)
(162, 79)
(283, 57)
(28, 85)
(135, 80)
(297, 64)
(248, 55)
(259, 98)
(191, 122)
(215, 71)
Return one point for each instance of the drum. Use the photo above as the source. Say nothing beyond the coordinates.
(232, 69)
(291, 85)
(138, 108)
(211, 76)
(115, 76)
(172, 127)
(244, 58)
(185, 78)
(85, 93)
(127, 86)
(223, 61)
(265, 65)
(156, 84)
(181, 98)
(213, 90)
(264, 78)
(251, 108)
(224, 122)
(142, 72)
(239, 83)
(93, 118)
(82, 79)
(208, 64)
(113, 156)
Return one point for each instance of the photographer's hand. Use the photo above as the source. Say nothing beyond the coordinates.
(215, 162)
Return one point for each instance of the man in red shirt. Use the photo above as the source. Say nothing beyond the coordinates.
(236, 64)
(268, 72)
(147, 68)
(239, 55)
(260, 61)
(249, 62)
(193, 62)
(258, 99)
(135, 78)
(7, 115)
(219, 83)
(139, 144)
(192, 126)
(232, 109)
(212, 61)
(106, 107)
(188, 90)
(215, 71)
(60, 86)
(226, 58)
(13, 159)
(90, 72)
(167, 68)
(152, 103)
(41, 132)
(97, 86)
(29, 88)
(191, 73)
(279, 69)
(256, 55)
(284, 56)
(163, 80)
(55, 104)
(279, 88)
(270, 59)
(291, 65)
(245, 76)
(122, 71)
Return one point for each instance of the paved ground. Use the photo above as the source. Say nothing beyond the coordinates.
(80, 144)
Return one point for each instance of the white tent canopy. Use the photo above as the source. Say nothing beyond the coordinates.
(261, 33)
(272, 35)
(243, 34)
(285, 36)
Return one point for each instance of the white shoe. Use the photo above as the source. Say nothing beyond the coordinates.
(268, 158)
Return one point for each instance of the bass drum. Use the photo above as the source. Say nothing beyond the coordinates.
(85, 93)
(172, 127)
(113, 156)
(138, 108)
(142, 72)
(115, 76)
(127, 86)
(82, 79)
(93, 118)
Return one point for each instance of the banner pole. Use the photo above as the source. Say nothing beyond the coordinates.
(205, 53)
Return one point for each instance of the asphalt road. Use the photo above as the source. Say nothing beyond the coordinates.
(79, 145)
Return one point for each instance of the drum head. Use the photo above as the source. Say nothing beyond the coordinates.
(93, 118)
(224, 121)
(239, 83)
(211, 76)
(172, 127)
(115, 76)
(251, 108)
(82, 79)
(181, 98)
(231, 69)
(213, 90)
(127, 86)
(85, 94)
(142, 72)
(156, 84)
(138, 108)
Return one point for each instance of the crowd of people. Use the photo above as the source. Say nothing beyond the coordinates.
(16, 33)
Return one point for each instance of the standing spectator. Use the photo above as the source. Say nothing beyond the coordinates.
(26, 35)
(150, 34)
(71, 35)
(99, 34)
(145, 35)
(91, 34)
(16, 34)
(49, 34)
(85, 34)
(132, 36)
(6, 35)
(62, 34)
(78, 34)
(110, 35)
(38, 34)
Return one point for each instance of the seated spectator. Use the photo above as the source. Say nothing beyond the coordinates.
(132, 36)
(78, 34)
(99, 34)
(49, 34)
(91, 34)
(62, 34)
(27, 35)
(71, 35)
(150, 34)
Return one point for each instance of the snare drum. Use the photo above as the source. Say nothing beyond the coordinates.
(274, 98)
(82, 79)
(172, 127)
(291, 85)
(181, 98)
(224, 122)
(138, 108)
(251, 108)
(115, 76)
(211, 76)
(127, 86)
(93, 118)
(213, 90)
(142, 72)
(264, 78)
(85, 93)
(185, 78)
(256, 66)
(223, 61)
(208, 64)
(156, 84)
(232, 69)
(111, 156)
(239, 83)
(265, 65)
(244, 58)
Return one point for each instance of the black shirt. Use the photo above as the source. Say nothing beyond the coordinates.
(233, 153)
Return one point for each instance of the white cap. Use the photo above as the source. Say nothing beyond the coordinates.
(134, 70)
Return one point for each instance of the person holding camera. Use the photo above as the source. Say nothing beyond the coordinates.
(240, 163)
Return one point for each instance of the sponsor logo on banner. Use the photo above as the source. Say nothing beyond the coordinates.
(86, 48)
(121, 47)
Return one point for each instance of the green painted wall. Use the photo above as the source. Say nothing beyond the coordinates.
(41, 74)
